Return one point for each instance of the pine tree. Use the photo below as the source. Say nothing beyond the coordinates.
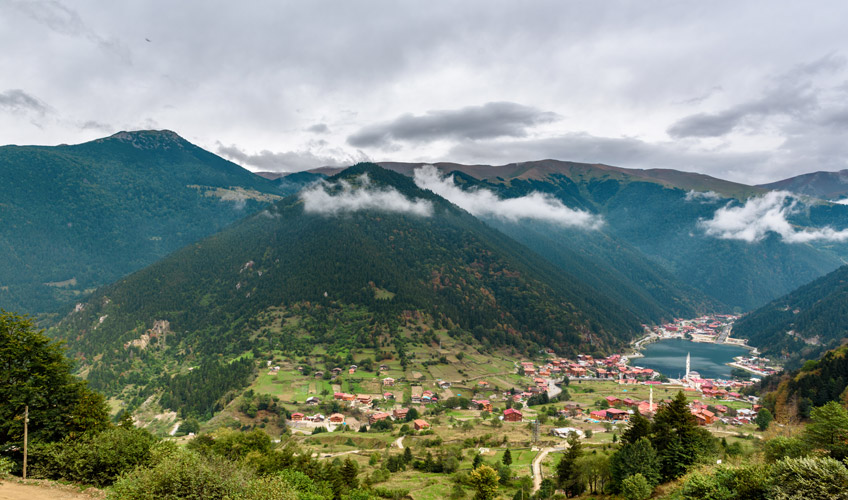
(478, 460)
(568, 474)
(639, 427)
(407, 455)
(507, 458)
(676, 438)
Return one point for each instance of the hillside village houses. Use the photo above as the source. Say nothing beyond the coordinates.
(586, 367)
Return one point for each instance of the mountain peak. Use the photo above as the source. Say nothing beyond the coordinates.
(147, 139)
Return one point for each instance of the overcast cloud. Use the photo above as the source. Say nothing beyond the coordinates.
(751, 92)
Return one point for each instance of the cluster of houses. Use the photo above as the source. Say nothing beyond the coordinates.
(708, 326)
(587, 367)
(335, 418)
(397, 414)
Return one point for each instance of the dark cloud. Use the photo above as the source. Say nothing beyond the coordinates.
(18, 101)
(491, 120)
(289, 161)
(319, 128)
(792, 94)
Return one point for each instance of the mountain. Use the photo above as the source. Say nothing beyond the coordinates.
(659, 215)
(794, 393)
(823, 185)
(802, 324)
(77, 217)
(289, 278)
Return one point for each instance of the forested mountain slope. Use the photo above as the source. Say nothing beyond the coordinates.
(441, 265)
(804, 323)
(661, 214)
(77, 217)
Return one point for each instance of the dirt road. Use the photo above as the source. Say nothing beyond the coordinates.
(10, 490)
(537, 465)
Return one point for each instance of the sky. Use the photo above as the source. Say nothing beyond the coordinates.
(746, 91)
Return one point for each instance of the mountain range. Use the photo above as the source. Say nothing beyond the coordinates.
(601, 248)
(78, 217)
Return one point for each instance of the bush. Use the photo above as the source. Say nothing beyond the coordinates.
(96, 459)
(706, 487)
(183, 474)
(809, 479)
(636, 487)
(6, 466)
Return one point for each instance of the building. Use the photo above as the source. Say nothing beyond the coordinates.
(297, 417)
(388, 381)
(337, 418)
(483, 404)
(512, 415)
(400, 413)
(419, 424)
(376, 417)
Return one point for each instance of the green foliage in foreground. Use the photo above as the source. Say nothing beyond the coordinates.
(806, 478)
(35, 372)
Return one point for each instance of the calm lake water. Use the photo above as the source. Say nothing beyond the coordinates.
(669, 358)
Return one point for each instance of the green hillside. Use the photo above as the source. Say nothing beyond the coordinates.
(804, 323)
(652, 212)
(77, 217)
(354, 279)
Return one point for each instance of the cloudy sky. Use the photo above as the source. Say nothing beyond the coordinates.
(747, 91)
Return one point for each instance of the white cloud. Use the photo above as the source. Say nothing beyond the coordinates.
(334, 198)
(843, 201)
(703, 196)
(483, 202)
(765, 214)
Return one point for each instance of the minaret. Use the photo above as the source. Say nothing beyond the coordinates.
(687, 367)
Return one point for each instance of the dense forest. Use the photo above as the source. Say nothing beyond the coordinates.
(77, 217)
(803, 324)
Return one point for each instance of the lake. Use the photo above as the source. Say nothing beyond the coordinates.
(669, 358)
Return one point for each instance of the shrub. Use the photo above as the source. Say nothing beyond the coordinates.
(97, 458)
(809, 478)
(185, 475)
(636, 487)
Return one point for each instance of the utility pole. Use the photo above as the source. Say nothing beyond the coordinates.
(26, 422)
(535, 430)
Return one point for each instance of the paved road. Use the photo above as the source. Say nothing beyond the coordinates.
(399, 442)
(553, 390)
(537, 465)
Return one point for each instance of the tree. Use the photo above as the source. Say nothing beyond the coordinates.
(407, 455)
(639, 427)
(676, 438)
(636, 487)
(594, 471)
(411, 415)
(634, 458)
(829, 430)
(485, 481)
(477, 462)
(34, 372)
(763, 419)
(349, 472)
(568, 474)
(507, 458)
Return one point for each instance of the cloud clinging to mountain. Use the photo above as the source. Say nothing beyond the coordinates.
(486, 203)
(340, 197)
(762, 215)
